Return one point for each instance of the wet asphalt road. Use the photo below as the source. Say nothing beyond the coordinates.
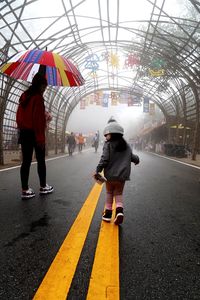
(159, 240)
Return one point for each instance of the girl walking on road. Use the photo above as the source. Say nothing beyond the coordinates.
(116, 163)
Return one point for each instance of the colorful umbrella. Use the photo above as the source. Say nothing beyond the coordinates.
(58, 70)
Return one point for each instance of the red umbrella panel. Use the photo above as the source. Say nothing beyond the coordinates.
(59, 71)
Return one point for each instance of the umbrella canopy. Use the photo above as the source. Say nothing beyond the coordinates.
(58, 70)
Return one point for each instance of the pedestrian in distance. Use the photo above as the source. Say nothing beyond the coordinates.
(95, 142)
(80, 140)
(71, 141)
(115, 162)
(32, 120)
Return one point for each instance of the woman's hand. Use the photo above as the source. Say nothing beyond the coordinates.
(48, 116)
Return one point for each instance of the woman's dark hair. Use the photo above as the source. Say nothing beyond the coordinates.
(37, 81)
(121, 145)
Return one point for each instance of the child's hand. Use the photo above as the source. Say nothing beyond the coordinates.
(136, 159)
(99, 178)
(95, 175)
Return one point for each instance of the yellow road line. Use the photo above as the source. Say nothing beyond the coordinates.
(57, 280)
(104, 281)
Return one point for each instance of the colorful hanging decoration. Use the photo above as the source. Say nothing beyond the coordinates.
(131, 60)
(101, 98)
(92, 62)
(114, 60)
(156, 73)
(157, 63)
(157, 67)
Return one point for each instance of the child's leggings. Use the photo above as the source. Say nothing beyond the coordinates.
(114, 189)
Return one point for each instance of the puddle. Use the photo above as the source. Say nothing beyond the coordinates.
(18, 238)
(62, 202)
(44, 221)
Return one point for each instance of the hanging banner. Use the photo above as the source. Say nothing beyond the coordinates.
(100, 93)
(146, 105)
(105, 100)
(114, 98)
(113, 102)
(82, 104)
(152, 108)
(97, 99)
(114, 95)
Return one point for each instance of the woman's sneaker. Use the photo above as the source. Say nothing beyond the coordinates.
(46, 190)
(119, 217)
(107, 215)
(28, 194)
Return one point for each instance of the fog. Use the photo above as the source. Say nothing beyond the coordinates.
(94, 118)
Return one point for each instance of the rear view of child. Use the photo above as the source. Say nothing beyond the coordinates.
(116, 163)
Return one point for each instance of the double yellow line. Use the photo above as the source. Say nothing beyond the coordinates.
(104, 281)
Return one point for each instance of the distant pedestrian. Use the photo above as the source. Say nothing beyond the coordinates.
(32, 120)
(80, 141)
(116, 163)
(71, 141)
(95, 142)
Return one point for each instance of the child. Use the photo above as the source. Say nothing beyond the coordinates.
(116, 162)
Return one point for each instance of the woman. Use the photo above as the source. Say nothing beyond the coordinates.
(31, 121)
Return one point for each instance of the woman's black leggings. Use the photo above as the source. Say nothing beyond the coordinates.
(28, 144)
